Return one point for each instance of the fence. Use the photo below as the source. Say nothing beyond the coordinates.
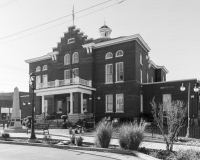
(194, 131)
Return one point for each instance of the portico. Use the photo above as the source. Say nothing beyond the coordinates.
(73, 100)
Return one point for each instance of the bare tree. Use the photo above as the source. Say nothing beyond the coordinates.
(174, 113)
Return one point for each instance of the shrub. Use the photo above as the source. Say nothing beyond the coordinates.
(190, 154)
(5, 135)
(47, 138)
(131, 135)
(103, 134)
(79, 141)
(72, 139)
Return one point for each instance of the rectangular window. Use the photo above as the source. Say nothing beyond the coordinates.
(59, 106)
(109, 73)
(140, 76)
(75, 72)
(120, 102)
(109, 103)
(166, 101)
(44, 79)
(141, 103)
(38, 81)
(71, 40)
(119, 72)
(67, 74)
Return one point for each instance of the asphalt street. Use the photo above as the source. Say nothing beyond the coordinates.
(22, 152)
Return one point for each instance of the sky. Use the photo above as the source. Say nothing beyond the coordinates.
(171, 28)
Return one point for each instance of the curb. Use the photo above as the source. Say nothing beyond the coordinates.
(116, 151)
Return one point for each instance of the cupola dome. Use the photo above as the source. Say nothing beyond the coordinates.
(105, 31)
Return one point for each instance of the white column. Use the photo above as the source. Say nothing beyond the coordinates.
(81, 102)
(42, 104)
(71, 103)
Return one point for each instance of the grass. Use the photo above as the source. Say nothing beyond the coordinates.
(131, 135)
(103, 134)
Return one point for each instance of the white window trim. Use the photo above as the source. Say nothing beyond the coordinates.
(65, 59)
(147, 78)
(38, 70)
(43, 68)
(69, 40)
(141, 80)
(65, 73)
(116, 103)
(152, 79)
(106, 74)
(73, 57)
(116, 81)
(73, 71)
(109, 57)
(141, 59)
(119, 55)
(141, 103)
(106, 104)
(43, 78)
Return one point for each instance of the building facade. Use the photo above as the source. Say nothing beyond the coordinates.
(96, 77)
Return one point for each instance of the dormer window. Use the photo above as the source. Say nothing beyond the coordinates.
(109, 55)
(119, 53)
(66, 59)
(75, 58)
(44, 67)
(141, 59)
(38, 69)
(71, 40)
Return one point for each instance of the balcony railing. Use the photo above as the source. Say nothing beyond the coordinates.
(65, 82)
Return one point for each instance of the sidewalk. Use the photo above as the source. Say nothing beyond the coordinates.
(63, 134)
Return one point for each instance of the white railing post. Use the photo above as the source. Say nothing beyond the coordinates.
(56, 82)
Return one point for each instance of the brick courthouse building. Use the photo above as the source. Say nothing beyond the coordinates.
(103, 77)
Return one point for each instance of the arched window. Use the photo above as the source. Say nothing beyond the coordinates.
(66, 59)
(119, 53)
(109, 55)
(141, 59)
(75, 58)
(44, 67)
(38, 69)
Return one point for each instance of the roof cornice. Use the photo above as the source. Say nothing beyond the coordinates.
(136, 37)
(47, 56)
(158, 67)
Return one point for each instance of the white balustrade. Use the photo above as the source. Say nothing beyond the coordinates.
(64, 82)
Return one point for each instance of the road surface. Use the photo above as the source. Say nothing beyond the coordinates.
(22, 152)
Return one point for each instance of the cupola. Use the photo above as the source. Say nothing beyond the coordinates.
(105, 31)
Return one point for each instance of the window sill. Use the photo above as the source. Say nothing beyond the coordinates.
(109, 112)
(120, 112)
(119, 82)
(109, 83)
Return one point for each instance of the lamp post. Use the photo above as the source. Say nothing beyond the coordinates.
(196, 89)
(32, 85)
(182, 88)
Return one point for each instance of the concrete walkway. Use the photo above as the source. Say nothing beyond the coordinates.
(63, 134)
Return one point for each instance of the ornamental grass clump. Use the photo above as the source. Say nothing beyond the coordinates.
(5, 136)
(103, 134)
(131, 135)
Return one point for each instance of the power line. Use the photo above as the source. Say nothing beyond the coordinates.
(7, 3)
(55, 20)
(13, 68)
(60, 24)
